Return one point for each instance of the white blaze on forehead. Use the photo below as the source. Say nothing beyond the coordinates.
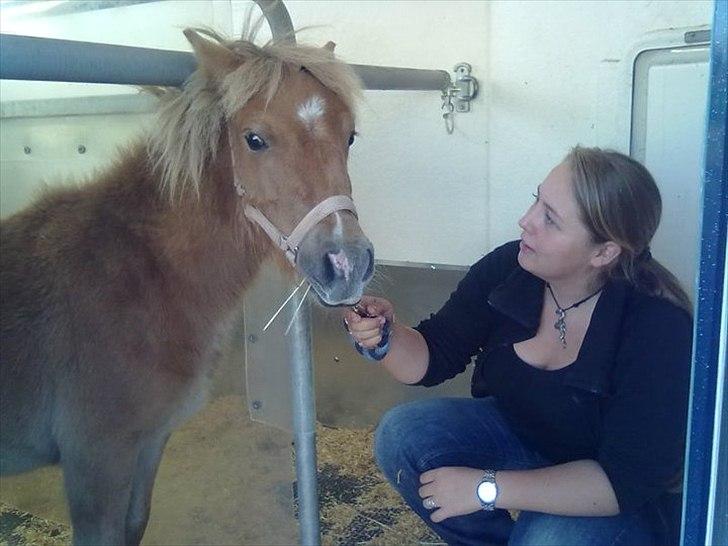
(338, 228)
(311, 110)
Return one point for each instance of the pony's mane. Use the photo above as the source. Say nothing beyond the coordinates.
(186, 134)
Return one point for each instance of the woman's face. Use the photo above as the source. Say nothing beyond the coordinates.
(555, 244)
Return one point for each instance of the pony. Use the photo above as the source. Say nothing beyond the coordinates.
(116, 293)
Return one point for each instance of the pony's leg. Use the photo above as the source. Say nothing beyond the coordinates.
(98, 475)
(141, 493)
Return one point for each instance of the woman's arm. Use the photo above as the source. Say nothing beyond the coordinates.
(408, 355)
(578, 488)
(441, 346)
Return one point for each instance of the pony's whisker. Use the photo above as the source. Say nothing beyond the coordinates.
(270, 320)
(300, 303)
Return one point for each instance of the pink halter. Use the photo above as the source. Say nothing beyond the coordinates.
(289, 244)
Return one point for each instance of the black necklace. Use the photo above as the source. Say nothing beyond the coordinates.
(560, 323)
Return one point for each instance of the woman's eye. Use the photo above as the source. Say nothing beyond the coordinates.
(549, 220)
(255, 142)
(352, 137)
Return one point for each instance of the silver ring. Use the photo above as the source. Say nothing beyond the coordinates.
(429, 503)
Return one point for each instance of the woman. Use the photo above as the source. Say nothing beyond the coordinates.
(582, 346)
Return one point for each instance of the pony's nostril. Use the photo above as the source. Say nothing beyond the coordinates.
(340, 264)
(328, 273)
(370, 264)
(347, 266)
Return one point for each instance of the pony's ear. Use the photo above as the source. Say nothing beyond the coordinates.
(213, 59)
(330, 46)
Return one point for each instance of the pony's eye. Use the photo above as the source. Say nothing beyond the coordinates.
(255, 142)
(352, 137)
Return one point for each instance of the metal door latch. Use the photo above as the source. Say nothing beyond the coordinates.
(457, 96)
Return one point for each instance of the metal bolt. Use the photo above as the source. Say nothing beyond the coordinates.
(337, 359)
(257, 404)
(252, 338)
(26, 149)
(81, 149)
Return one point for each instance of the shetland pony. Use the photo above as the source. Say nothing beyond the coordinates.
(115, 294)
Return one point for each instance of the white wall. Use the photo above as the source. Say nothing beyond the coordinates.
(561, 75)
(552, 74)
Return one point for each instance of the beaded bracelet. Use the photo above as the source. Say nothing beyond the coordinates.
(380, 350)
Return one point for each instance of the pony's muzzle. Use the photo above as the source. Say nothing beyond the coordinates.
(339, 274)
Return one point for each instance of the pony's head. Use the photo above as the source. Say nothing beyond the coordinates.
(284, 114)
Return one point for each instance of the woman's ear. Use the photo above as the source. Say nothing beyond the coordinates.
(607, 254)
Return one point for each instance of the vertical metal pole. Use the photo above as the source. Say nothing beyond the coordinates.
(299, 347)
(304, 423)
(279, 20)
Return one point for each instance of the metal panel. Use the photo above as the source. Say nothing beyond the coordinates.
(72, 106)
(350, 391)
(267, 370)
(38, 151)
(668, 124)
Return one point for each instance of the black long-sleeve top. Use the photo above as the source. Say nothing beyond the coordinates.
(623, 402)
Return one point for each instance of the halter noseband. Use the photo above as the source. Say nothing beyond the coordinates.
(289, 244)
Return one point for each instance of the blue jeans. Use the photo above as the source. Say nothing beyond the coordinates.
(426, 434)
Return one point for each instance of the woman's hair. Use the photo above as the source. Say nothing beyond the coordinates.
(619, 201)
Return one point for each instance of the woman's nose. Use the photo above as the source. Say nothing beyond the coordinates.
(523, 222)
(526, 221)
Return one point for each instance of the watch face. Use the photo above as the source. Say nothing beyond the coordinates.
(487, 492)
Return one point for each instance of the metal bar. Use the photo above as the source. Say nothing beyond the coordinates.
(304, 423)
(72, 61)
(279, 20)
(402, 79)
(51, 59)
(703, 392)
(299, 347)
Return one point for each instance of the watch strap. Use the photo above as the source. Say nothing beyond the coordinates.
(488, 477)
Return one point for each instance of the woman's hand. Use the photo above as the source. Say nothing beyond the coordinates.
(452, 490)
(367, 332)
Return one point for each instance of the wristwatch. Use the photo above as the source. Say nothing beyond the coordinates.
(487, 491)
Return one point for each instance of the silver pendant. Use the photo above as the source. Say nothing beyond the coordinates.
(560, 325)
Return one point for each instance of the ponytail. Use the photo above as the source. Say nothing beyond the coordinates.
(651, 277)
